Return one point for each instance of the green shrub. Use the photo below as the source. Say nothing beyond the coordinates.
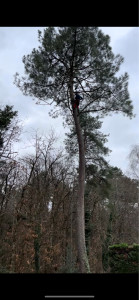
(118, 246)
(124, 258)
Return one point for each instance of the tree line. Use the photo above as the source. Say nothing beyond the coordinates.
(38, 209)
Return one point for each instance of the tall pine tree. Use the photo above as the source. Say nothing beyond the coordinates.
(81, 59)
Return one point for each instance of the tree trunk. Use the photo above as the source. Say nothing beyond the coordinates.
(82, 253)
(81, 247)
(37, 249)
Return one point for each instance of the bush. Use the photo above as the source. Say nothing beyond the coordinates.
(124, 258)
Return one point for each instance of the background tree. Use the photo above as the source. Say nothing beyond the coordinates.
(38, 214)
(9, 130)
(6, 116)
(134, 162)
(79, 58)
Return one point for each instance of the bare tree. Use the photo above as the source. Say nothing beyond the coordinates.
(134, 162)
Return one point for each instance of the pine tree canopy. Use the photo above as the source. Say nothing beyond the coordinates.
(81, 57)
(94, 141)
(6, 116)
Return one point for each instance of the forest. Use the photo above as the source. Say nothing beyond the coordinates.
(38, 208)
(63, 209)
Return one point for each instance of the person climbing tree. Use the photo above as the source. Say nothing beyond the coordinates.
(77, 101)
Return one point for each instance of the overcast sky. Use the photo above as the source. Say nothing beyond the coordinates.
(123, 132)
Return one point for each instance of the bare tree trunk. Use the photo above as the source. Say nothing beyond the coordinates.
(82, 254)
(81, 247)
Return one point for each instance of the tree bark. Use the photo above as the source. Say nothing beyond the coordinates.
(82, 253)
(81, 247)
